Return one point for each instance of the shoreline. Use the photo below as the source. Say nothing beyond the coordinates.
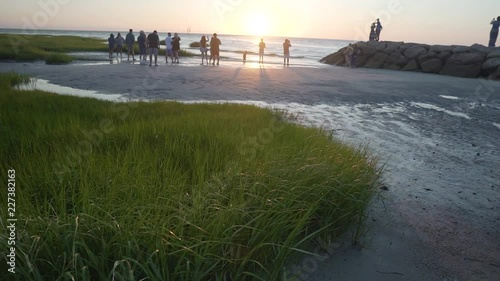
(442, 190)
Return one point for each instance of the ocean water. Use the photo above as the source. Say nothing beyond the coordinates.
(305, 52)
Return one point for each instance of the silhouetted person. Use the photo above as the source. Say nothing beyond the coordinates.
(176, 47)
(204, 49)
(244, 56)
(169, 48)
(141, 40)
(378, 29)
(119, 45)
(111, 44)
(494, 32)
(130, 39)
(262, 46)
(215, 49)
(286, 52)
(373, 33)
(153, 45)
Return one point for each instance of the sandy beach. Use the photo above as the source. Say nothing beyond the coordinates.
(438, 136)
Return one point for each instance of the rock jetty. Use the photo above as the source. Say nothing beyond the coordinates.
(461, 61)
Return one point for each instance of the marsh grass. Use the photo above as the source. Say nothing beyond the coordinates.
(53, 49)
(170, 191)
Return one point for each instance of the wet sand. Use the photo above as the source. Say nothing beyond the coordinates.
(438, 136)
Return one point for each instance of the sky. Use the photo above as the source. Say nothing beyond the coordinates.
(461, 22)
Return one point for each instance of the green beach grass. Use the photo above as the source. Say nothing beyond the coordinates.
(54, 49)
(169, 191)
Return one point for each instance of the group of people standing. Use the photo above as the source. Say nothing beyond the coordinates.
(149, 44)
(375, 31)
(214, 45)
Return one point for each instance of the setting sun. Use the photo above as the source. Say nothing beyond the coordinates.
(259, 24)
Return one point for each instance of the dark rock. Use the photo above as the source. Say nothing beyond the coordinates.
(495, 75)
(414, 51)
(378, 46)
(426, 56)
(491, 64)
(480, 48)
(362, 59)
(434, 65)
(377, 61)
(367, 50)
(411, 66)
(334, 58)
(392, 47)
(398, 59)
(460, 49)
(440, 48)
(462, 70)
(495, 53)
(444, 56)
(467, 58)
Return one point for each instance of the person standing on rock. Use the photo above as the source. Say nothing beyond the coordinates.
(494, 32)
(378, 30)
(373, 34)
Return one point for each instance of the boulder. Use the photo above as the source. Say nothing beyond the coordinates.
(433, 65)
(411, 66)
(426, 56)
(467, 58)
(378, 46)
(381, 46)
(440, 48)
(495, 75)
(492, 63)
(490, 66)
(495, 53)
(392, 47)
(464, 65)
(444, 56)
(377, 61)
(414, 51)
(396, 58)
(367, 50)
(480, 48)
(334, 58)
(362, 59)
(461, 70)
(460, 49)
